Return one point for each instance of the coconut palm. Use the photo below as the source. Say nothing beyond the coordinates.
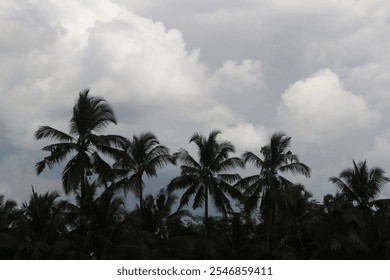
(268, 185)
(157, 216)
(7, 213)
(203, 178)
(90, 115)
(107, 212)
(43, 226)
(10, 219)
(143, 155)
(359, 184)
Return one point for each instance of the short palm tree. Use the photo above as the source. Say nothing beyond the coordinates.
(360, 184)
(157, 214)
(143, 155)
(10, 219)
(7, 210)
(43, 226)
(90, 115)
(203, 178)
(107, 212)
(268, 184)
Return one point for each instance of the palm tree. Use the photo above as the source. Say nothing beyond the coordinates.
(107, 212)
(90, 115)
(204, 178)
(157, 216)
(269, 184)
(10, 218)
(7, 211)
(359, 184)
(43, 226)
(143, 155)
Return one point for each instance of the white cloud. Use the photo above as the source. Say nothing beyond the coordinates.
(380, 150)
(243, 134)
(148, 61)
(181, 68)
(135, 63)
(246, 136)
(121, 56)
(247, 72)
(319, 108)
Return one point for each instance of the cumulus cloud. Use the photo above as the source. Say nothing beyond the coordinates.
(143, 69)
(320, 108)
(151, 64)
(126, 58)
(246, 136)
(247, 72)
(174, 69)
(242, 133)
(380, 149)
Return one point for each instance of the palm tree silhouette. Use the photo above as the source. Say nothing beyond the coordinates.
(204, 178)
(43, 225)
(143, 155)
(269, 184)
(10, 218)
(360, 184)
(90, 115)
(107, 212)
(157, 216)
(7, 210)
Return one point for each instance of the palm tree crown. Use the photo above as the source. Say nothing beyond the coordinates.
(143, 155)
(204, 177)
(276, 159)
(90, 115)
(359, 184)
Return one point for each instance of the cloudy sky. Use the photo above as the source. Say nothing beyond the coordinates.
(317, 70)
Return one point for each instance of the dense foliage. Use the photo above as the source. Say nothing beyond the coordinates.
(275, 218)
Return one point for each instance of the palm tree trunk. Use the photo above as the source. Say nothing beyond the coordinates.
(206, 210)
(82, 195)
(140, 190)
(141, 202)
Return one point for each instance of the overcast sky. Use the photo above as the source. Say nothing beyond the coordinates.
(317, 70)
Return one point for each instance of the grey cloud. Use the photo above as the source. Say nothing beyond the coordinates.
(158, 67)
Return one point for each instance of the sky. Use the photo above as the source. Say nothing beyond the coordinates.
(317, 70)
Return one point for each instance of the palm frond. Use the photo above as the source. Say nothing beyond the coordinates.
(296, 168)
(199, 197)
(249, 181)
(74, 173)
(58, 153)
(90, 114)
(228, 163)
(47, 132)
(252, 201)
(102, 169)
(229, 178)
(252, 158)
(191, 190)
(221, 202)
(187, 159)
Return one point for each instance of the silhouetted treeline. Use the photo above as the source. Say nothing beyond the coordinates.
(263, 216)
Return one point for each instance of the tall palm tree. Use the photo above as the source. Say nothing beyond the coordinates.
(205, 177)
(268, 185)
(90, 115)
(360, 184)
(142, 155)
